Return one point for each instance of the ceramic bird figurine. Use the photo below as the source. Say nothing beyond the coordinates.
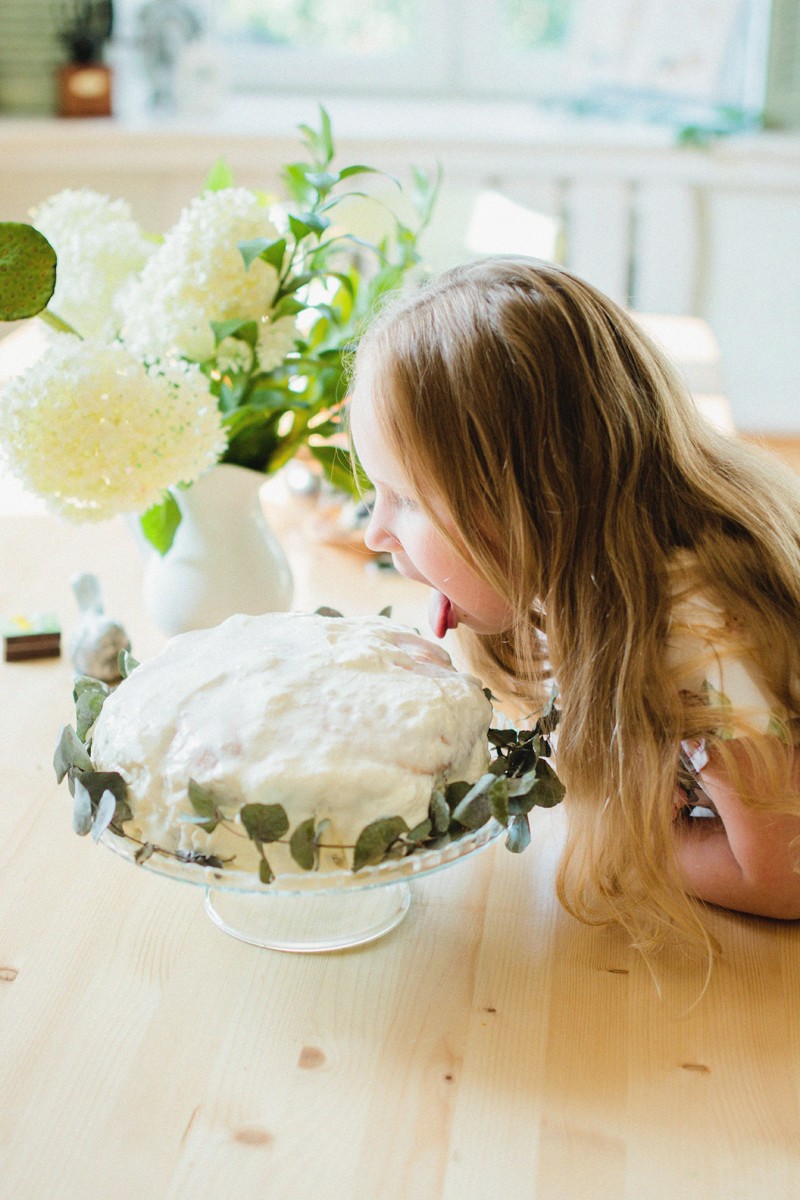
(96, 641)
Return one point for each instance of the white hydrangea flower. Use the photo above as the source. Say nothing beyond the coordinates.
(99, 247)
(197, 276)
(96, 433)
(275, 340)
(233, 356)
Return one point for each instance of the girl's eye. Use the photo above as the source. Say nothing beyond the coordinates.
(406, 503)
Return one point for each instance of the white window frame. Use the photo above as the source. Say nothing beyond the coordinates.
(458, 54)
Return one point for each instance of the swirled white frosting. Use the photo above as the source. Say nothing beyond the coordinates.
(345, 720)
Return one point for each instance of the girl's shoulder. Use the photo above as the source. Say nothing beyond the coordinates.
(710, 657)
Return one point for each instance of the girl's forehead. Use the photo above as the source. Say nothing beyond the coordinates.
(373, 447)
(365, 428)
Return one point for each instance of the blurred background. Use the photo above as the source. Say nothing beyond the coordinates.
(653, 146)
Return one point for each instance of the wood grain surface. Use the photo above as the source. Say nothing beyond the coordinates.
(488, 1047)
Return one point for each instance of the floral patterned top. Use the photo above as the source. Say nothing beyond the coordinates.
(708, 656)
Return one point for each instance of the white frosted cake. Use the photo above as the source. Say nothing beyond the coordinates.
(338, 720)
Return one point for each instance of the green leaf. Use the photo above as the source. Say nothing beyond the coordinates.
(82, 812)
(376, 839)
(160, 523)
(204, 804)
(439, 811)
(502, 737)
(104, 814)
(27, 271)
(271, 252)
(242, 330)
(338, 468)
(89, 695)
(97, 782)
(360, 169)
(232, 389)
(219, 177)
(498, 800)
(294, 176)
(548, 789)
(474, 809)
(264, 822)
(127, 663)
(70, 753)
(519, 834)
(455, 792)
(295, 283)
(420, 833)
(252, 439)
(287, 306)
(319, 143)
(307, 223)
(303, 845)
(265, 872)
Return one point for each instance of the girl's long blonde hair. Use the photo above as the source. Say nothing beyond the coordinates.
(575, 466)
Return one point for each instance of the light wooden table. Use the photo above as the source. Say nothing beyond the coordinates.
(488, 1047)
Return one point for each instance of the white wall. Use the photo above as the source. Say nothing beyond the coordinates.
(711, 232)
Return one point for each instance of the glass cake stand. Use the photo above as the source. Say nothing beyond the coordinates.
(313, 912)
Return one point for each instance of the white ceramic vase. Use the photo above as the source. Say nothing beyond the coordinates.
(225, 559)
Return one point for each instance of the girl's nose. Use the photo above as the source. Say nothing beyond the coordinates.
(376, 536)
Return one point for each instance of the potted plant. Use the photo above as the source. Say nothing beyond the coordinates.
(84, 27)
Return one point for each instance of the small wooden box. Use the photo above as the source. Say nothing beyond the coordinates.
(31, 637)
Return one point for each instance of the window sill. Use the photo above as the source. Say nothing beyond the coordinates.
(501, 123)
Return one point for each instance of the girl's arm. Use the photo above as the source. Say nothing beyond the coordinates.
(743, 858)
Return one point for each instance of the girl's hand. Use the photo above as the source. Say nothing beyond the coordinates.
(745, 858)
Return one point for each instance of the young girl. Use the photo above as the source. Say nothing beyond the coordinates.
(538, 464)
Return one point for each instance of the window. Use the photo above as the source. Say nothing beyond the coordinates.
(615, 57)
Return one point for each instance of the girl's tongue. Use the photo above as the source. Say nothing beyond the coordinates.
(441, 615)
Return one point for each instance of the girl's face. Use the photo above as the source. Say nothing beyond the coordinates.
(398, 526)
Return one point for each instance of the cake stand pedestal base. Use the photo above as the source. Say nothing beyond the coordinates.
(309, 924)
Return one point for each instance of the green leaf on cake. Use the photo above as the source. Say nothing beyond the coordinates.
(548, 791)
(89, 695)
(204, 804)
(70, 754)
(106, 810)
(82, 813)
(264, 822)
(420, 834)
(99, 802)
(498, 800)
(519, 834)
(126, 663)
(474, 809)
(439, 811)
(455, 792)
(376, 839)
(303, 845)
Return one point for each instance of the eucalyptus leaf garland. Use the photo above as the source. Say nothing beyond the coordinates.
(519, 778)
